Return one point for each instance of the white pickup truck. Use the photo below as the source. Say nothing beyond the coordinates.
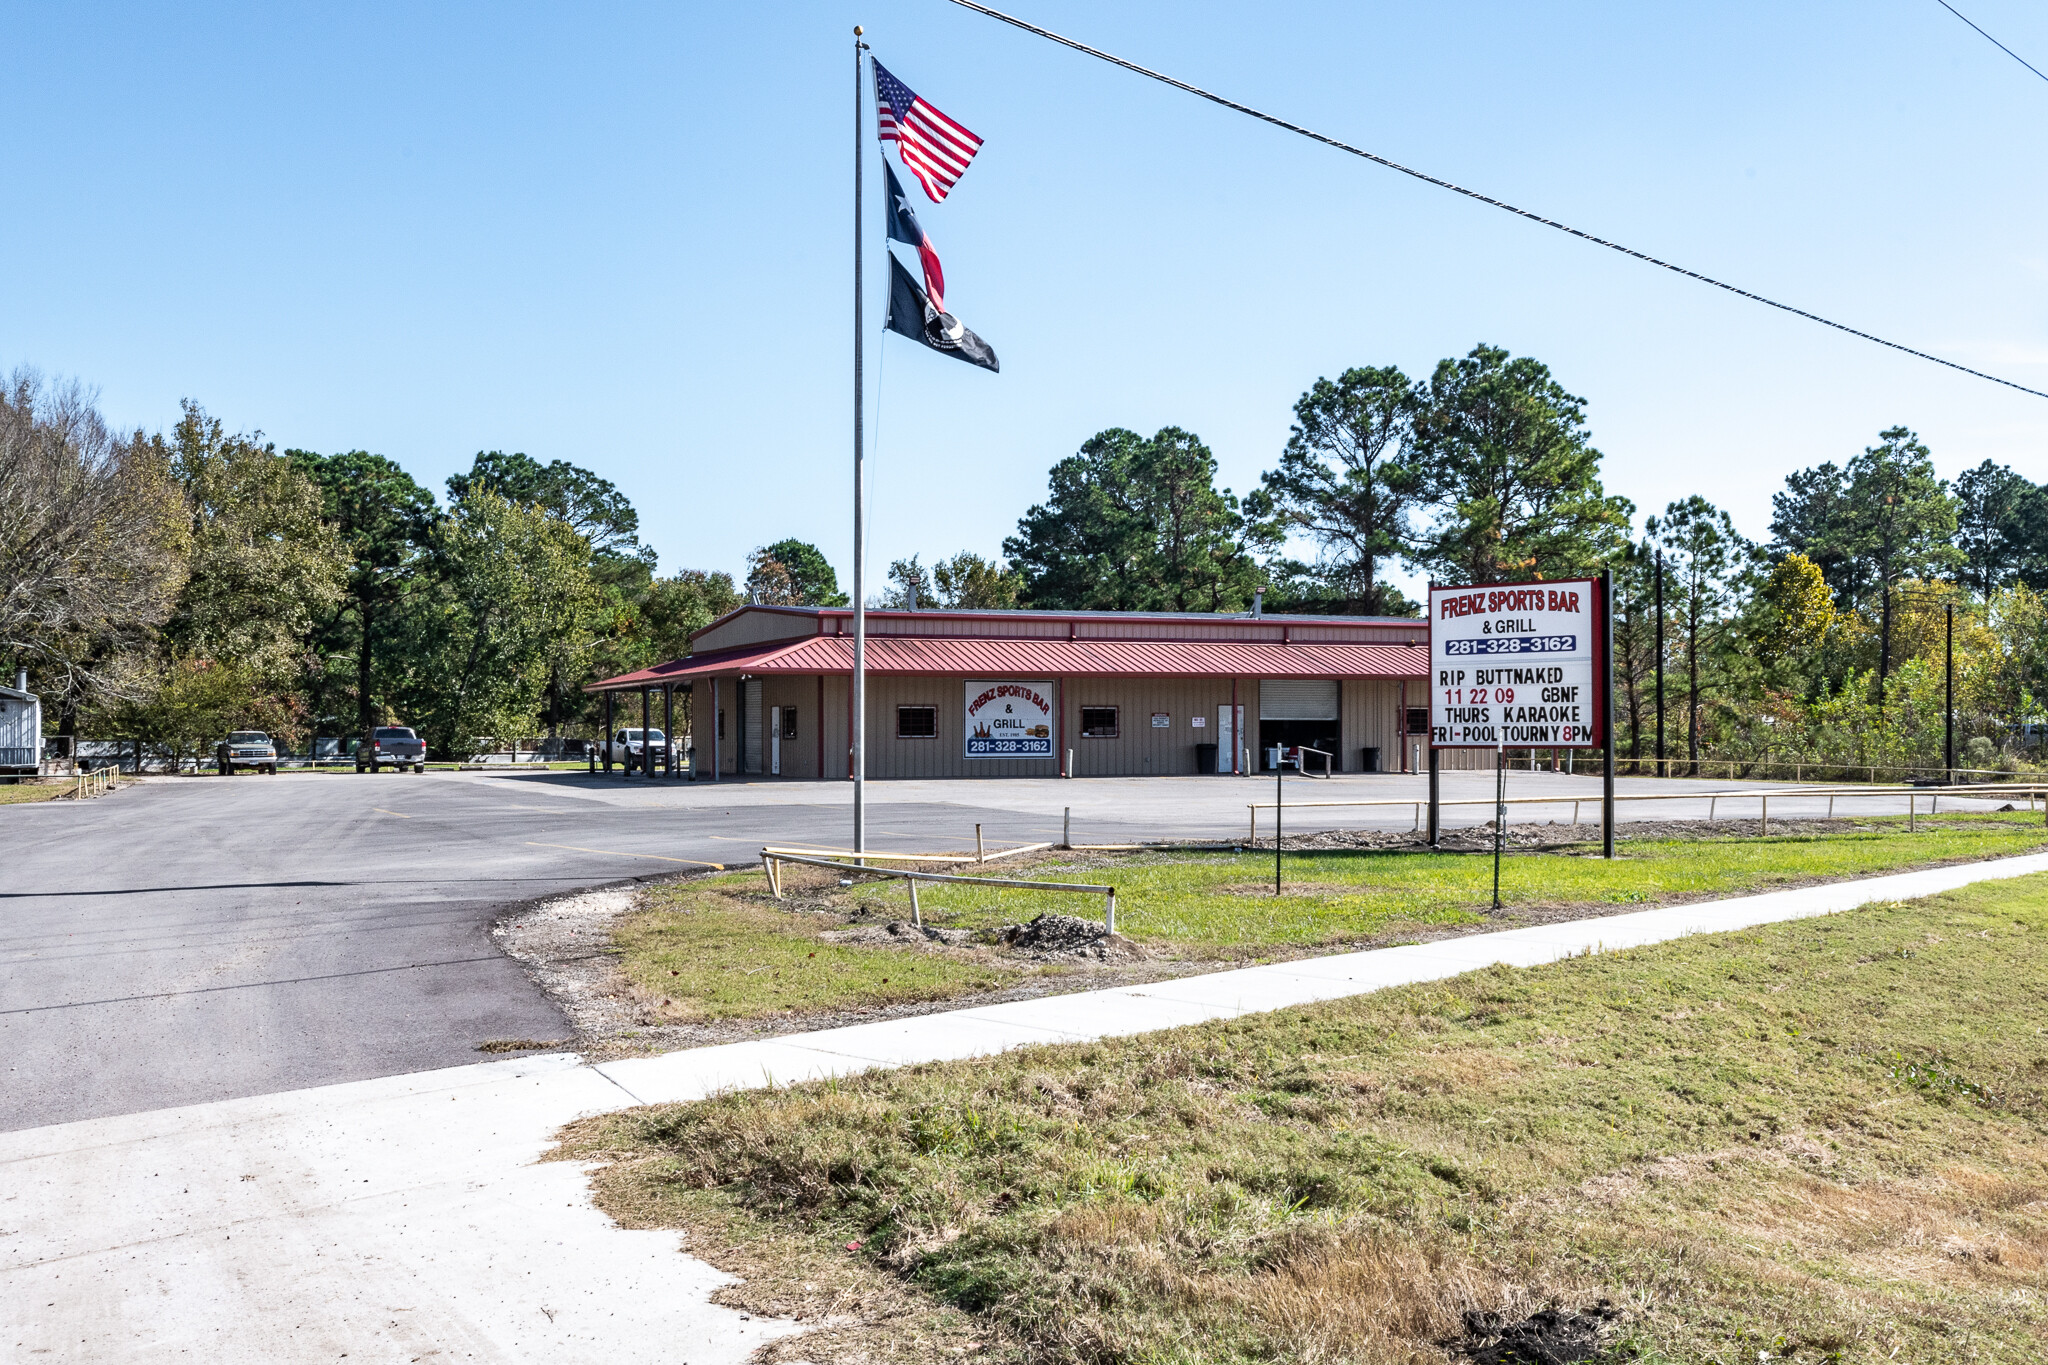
(637, 749)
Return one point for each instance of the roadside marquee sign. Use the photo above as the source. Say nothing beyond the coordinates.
(1009, 719)
(1516, 664)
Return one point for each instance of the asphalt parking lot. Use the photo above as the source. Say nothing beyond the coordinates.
(196, 939)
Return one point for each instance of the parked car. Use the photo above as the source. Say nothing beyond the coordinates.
(637, 748)
(392, 744)
(245, 749)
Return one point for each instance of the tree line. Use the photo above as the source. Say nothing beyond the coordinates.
(166, 587)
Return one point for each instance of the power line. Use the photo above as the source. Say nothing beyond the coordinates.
(1425, 177)
(1991, 40)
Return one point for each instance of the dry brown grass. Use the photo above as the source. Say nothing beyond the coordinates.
(1824, 1141)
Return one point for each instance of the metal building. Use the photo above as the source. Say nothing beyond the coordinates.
(1041, 693)
(21, 727)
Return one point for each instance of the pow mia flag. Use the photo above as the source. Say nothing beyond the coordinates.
(912, 313)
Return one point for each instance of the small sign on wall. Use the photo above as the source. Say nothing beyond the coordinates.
(1162, 720)
(1198, 721)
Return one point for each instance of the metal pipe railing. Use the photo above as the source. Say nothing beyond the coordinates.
(1978, 791)
(771, 867)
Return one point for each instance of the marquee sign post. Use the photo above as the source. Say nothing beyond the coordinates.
(1524, 664)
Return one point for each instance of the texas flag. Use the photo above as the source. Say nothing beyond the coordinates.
(903, 227)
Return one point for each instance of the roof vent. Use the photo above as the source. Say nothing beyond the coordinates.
(1259, 602)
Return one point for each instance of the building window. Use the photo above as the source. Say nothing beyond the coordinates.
(789, 722)
(1418, 720)
(917, 722)
(721, 724)
(1098, 722)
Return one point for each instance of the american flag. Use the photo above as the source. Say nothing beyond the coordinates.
(934, 148)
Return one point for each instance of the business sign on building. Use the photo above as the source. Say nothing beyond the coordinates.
(1516, 664)
(1009, 719)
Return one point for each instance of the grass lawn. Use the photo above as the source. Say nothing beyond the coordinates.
(1818, 1141)
(1223, 902)
(17, 792)
(721, 948)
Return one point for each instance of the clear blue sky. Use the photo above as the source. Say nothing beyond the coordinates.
(620, 235)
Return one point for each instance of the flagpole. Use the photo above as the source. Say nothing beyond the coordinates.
(857, 722)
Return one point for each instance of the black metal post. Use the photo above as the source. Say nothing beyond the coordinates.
(1607, 711)
(1435, 809)
(646, 724)
(1500, 815)
(1279, 797)
(1948, 742)
(1661, 770)
(668, 730)
(608, 732)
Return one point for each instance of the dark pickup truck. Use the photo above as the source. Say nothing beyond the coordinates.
(394, 745)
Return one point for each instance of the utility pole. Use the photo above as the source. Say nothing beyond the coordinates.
(1948, 714)
(1884, 650)
(1662, 771)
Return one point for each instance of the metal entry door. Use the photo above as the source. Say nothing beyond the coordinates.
(1229, 729)
(751, 721)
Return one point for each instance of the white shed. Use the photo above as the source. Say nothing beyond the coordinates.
(21, 727)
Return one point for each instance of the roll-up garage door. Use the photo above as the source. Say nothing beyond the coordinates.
(1298, 699)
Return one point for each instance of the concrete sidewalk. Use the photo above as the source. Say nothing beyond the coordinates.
(409, 1219)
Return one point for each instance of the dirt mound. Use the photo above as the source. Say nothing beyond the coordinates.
(1066, 936)
(1555, 1336)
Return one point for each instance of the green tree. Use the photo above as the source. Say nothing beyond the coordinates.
(264, 564)
(1343, 484)
(1136, 524)
(1902, 525)
(1811, 518)
(1504, 458)
(674, 608)
(1996, 513)
(1704, 558)
(910, 586)
(386, 521)
(967, 582)
(1635, 639)
(594, 506)
(516, 592)
(793, 573)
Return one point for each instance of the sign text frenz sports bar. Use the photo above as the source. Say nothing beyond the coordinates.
(1515, 664)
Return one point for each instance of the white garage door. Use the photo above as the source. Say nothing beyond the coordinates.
(1298, 699)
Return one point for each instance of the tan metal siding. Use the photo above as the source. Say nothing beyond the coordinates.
(945, 755)
(1139, 750)
(1372, 716)
(799, 755)
(753, 628)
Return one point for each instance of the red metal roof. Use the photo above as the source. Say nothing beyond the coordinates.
(979, 657)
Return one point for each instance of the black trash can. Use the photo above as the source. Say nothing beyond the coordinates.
(1369, 759)
(1205, 758)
